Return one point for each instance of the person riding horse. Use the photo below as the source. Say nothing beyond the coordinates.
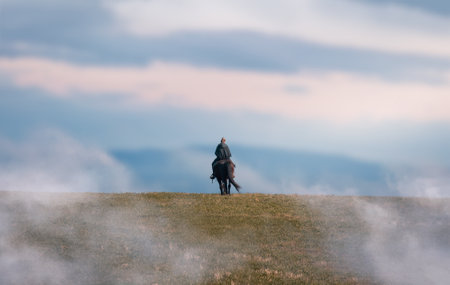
(223, 169)
(222, 153)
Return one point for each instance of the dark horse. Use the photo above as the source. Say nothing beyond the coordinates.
(223, 171)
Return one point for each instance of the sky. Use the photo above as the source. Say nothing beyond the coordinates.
(364, 79)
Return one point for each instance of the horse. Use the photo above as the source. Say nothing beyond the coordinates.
(223, 171)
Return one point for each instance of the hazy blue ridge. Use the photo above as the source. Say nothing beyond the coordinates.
(168, 170)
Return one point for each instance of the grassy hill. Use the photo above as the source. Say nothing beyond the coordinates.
(175, 238)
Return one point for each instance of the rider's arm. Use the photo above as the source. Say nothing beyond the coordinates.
(217, 152)
(227, 151)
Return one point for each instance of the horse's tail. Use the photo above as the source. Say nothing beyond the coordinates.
(230, 168)
(237, 186)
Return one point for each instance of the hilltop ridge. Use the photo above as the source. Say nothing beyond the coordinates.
(178, 238)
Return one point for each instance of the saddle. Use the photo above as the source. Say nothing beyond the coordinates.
(224, 161)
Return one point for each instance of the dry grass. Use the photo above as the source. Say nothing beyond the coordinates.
(175, 238)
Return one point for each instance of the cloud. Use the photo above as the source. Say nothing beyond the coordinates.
(396, 29)
(50, 161)
(86, 32)
(433, 6)
(331, 96)
(51, 22)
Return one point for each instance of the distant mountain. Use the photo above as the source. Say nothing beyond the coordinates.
(258, 170)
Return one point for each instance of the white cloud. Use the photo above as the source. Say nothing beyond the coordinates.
(395, 29)
(331, 96)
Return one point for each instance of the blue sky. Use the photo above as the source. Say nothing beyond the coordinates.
(369, 80)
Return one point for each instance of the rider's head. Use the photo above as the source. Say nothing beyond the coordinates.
(223, 140)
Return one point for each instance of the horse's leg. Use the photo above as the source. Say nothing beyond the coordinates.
(229, 188)
(226, 186)
(222, 190)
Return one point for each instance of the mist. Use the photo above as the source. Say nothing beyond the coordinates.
(410, 246)
(42, 241)
(404, 241)
(430, 181)
(47, 178)
(51, 161)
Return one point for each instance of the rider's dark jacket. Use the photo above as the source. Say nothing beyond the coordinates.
(222, 151)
